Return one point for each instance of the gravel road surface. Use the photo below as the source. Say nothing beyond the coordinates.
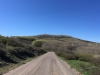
(47, 64)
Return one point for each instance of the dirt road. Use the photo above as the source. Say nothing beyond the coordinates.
(47, 64)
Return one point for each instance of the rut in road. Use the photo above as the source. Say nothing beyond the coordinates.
(47, 64)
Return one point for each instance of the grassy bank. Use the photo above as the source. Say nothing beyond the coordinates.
(85, 68)
(85, 63)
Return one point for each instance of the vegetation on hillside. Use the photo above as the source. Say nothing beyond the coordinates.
(37, 43)
(13, 50)
(78, 53)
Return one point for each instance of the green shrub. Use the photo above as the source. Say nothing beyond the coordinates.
(26, 38)
(76, 56)
(37, 43)
(71, 57)
(85, 66)
(96, 61)
(68, 56)
(85, 57)
(95, 71)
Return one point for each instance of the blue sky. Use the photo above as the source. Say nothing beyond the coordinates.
(77, 18)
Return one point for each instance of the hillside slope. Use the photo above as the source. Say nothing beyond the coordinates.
(13, 50)
(67, 43)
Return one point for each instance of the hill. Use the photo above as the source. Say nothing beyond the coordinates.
(66, 43)
(62, 43)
